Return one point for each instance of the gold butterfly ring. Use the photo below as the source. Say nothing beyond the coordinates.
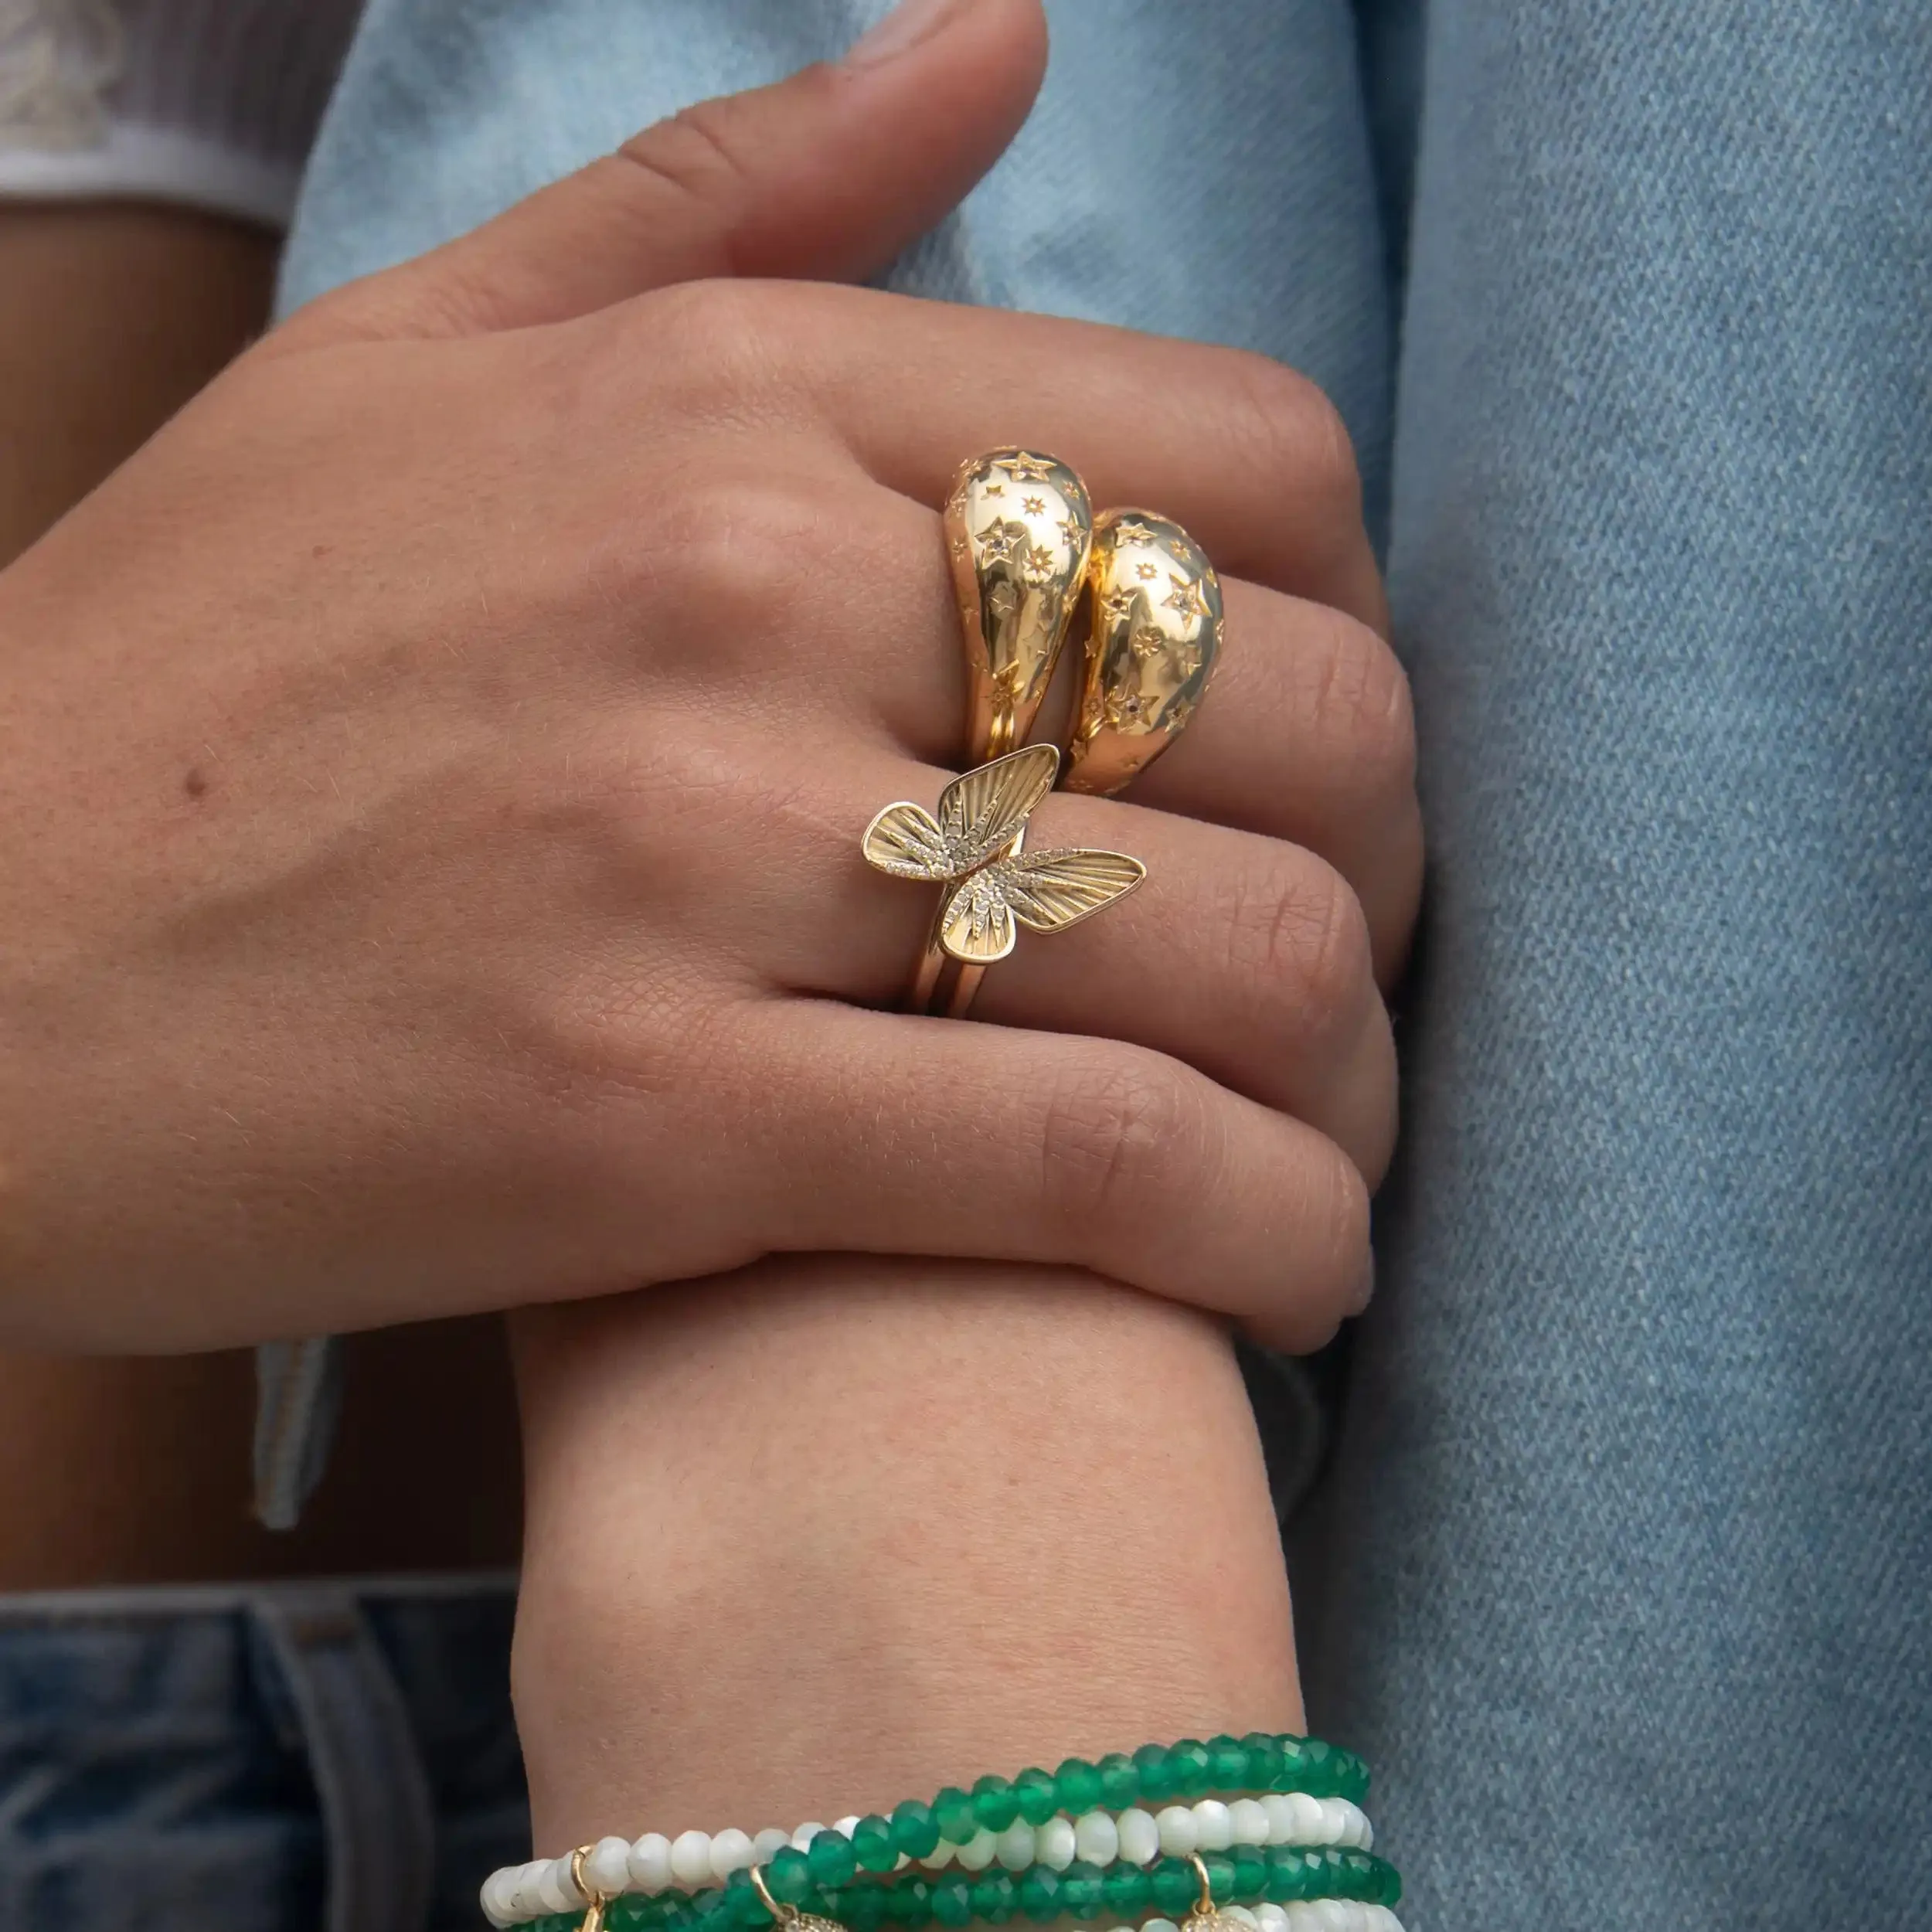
(974, 848)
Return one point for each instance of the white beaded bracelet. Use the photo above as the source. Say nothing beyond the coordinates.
(694, 1860)
(1320, 1915)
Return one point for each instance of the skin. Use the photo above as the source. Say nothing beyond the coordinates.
(944, 1520)
(1022, 1510)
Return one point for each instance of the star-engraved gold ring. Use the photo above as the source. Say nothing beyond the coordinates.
(1019, 529)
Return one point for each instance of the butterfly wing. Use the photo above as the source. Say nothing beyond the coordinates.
(1048, 891)
(977, 926)
(1052, 890)
(906, 841)
(982, 812)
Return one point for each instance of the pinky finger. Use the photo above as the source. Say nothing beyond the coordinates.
(896, 1135)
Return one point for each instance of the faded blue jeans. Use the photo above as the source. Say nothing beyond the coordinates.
(1629, 304)
(313, 1757)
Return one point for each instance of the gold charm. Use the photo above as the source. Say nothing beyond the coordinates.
(973, 847)
(1018, 530)
(1153, 633)
(596, 1900)
(1207, 1917)
(789, 1916)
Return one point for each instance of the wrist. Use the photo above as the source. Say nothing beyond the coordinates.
(830, 1531)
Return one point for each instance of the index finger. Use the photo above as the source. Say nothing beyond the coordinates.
(1251, 456)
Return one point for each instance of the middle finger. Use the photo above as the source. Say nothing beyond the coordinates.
(1306, 734)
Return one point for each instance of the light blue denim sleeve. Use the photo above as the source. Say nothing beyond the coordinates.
(1626, 1537)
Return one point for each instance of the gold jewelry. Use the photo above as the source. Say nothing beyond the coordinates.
(974, 848)
(789, 1915)
(1023, 543)
(1207, 1917)
(596, 1900)
(1153, 637)
(1019, 528)
(1154, 634)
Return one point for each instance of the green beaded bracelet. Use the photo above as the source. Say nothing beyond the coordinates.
(1153, 1775)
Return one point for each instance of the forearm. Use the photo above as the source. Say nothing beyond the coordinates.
(826, 1535)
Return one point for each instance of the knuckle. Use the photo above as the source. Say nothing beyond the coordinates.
(1374, 1157)
(623, 1036)
(1325, 1233)
(718, 349)
(1330, 449)
(1345, 1216)
(1362, 704)
(692, 156)
(1119, 1131)
(1294, 429)
(1297, 934)
(707, 584)
(735, 554)
(1338, 968)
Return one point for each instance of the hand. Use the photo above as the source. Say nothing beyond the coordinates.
(436, 766)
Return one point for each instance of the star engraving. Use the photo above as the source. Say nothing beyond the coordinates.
(1178, 713)
(1033, 506)
(1131, 529)
(1125, 707)
(1184, 597)
(1003, 599)
(1000, 541)
(1187, 656)
(993, 489)
(1039, 564)
(1073, 533)
(1008, 682)
(1148, 641)
(959, 545)
(1147, 572)
(1117, 606)
(1023, 469)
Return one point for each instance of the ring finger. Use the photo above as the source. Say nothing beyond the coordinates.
(1244, 956)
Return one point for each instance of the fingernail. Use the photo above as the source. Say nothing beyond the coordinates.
(1365, 1290)
(903, 29)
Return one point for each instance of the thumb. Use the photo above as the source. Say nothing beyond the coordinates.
(825, 175)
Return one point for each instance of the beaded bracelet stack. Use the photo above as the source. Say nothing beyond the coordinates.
(1259, 1834)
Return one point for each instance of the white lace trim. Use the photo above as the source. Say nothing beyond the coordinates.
(58, 58)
